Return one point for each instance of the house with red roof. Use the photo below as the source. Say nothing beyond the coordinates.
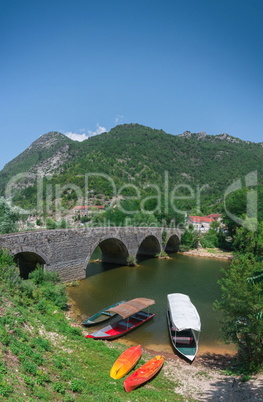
(203, 223)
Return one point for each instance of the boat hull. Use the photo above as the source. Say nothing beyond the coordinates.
(126, 361)
(184, 342)
(121, 327)
(143, 373)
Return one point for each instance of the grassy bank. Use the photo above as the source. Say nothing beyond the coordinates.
(43, 357)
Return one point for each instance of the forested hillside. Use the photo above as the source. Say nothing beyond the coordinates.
(140, 156)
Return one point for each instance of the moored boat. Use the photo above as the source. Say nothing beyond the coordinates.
(144, 373)
(184, 325)
(126, 361)
(101, 316)
(132, 317)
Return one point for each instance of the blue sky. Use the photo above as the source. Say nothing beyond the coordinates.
(81, 66)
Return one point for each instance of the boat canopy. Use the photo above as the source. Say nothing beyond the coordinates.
(132, 306)
(183, 313)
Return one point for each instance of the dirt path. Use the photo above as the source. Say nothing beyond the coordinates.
(205, 380)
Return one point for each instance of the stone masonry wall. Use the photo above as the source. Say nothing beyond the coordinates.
(68, 251)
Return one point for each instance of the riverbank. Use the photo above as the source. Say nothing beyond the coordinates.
(209, 253)
(206, 379)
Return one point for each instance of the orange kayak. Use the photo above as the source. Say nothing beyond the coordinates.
(126, 361)
(143, 373)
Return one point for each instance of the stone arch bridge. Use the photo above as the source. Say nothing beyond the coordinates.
(68, 251)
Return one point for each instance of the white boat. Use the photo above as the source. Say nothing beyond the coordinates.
(184, 325)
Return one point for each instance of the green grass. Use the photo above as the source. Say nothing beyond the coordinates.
(43, 357)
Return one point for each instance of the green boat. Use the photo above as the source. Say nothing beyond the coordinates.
(101, 316)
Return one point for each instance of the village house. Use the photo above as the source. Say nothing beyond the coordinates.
(203, 223)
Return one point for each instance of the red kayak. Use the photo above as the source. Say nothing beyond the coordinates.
(126, 361)
(143, 373)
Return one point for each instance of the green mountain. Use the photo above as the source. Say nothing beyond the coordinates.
(45, 155)
(137, 156)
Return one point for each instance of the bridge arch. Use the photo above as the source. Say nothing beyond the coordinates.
(27, 259)
(150, 246)
(172, 245)
(113, 251)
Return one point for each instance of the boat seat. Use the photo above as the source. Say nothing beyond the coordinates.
(142, 313)
(186, 340)
(106, 313)
(140, 316)
(136, 319)
(124, 325)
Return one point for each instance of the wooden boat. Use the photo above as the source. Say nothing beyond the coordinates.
(132, 317)
(101, 316)
(143, 373)
(125, 362)
(184, 325)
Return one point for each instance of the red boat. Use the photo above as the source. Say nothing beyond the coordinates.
(132, 317)
(143, 373)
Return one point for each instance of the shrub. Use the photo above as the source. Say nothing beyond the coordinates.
(59, 387)
(51, 224)
(63, 224)
(29, 367)
(5, 389)
(29, 381)
(189, 240)
(59, 362)
(3, 369)
(162, 254)
(56, 294)
(39, 275)
(4, 336)
(76, 385)
(131, 261)
(40, 344)
(6, 259)
(42, 306)
(210, 239)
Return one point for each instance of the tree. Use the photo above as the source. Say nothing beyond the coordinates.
(210, 239)
(189, 240)
(247, 241)
(145, 220)
(8, 218)
(242, 305)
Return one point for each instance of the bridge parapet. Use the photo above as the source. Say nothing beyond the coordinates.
(68, 251)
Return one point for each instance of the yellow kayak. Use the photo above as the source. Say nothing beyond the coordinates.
(126, 361)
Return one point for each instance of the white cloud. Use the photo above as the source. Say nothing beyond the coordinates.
(76, 137)
(99, 130)
(81, 135)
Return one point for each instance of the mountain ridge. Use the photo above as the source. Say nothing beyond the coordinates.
(49, 139)
(139, 155)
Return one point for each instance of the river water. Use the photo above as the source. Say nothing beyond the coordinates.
(154, 279)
